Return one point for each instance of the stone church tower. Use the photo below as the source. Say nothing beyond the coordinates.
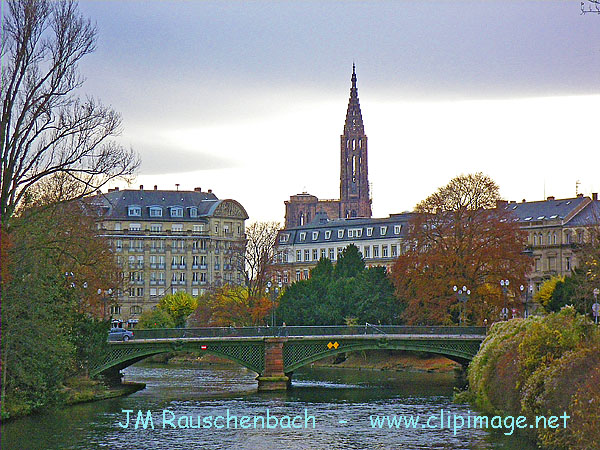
(354, 200)
(354, 178)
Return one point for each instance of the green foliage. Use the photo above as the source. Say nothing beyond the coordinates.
(350, 263)
(348, 293)
(179, 306)
(542, 366)
(544, 294)
(157, 318)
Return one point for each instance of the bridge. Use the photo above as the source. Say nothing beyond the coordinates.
(275, 352)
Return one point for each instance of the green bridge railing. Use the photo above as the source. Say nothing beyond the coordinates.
(301, 331)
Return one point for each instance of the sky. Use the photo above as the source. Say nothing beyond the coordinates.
(248, 98)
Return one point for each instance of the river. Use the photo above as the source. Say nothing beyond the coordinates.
(343, 403)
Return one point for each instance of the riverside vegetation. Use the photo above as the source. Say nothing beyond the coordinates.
(542, 366)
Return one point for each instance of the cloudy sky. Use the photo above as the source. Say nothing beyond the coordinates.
(249, 98)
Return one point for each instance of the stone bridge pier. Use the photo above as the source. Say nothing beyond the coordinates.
(273, 378)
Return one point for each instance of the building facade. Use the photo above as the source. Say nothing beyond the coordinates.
(299, 249)
(555, 228)
(170, 241)
(354, 199)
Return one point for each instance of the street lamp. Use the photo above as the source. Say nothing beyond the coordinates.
(274, 293)
(504, 284)
(596, 305)
(528, 296)
(463, 296)
(107, 294)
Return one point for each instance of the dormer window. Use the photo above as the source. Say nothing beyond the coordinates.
(383, 231)
(134, 211)
(155, 211)
(176, 211)
(284, 238)
(193, 211)
(340, 234)
(315, 235)
(302, 236)
(370, 231)
(397, 229)
(328, 234)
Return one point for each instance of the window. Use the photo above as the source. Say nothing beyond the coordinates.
(195, 292)
(302, 236)
(115, 309)
(567, 238)
(315, 235)
(323, 253)
(355, 233)
(193, 211)
(135, 309)
(306, 274)
(306, 255)
(376, 251)
(370, 231)
(155, 211)
(537, 264)
(134, 211)
(554, 238)
(284, 237)
(534, 239)
(327, 234)
(383, 230)
(177, 227)
(119, 245)
(176, 211)
(384, 251)
(394, 250)
(568, 263)
(153, 292)
(298, 275)
(340, 234)
(298, 255)
(156, 227)
(367, 251)
(198, 228)
(117, 226)
(315, 253)
(397, 229)
(331, 254)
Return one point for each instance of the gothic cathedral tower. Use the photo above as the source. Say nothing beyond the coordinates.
(354, 178)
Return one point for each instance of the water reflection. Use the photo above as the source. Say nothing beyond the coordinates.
(330, 395)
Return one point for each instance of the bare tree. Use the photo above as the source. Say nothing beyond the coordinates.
(45, 127)
(259, 255)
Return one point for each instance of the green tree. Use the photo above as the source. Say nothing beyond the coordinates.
(350, 263)
(157, 318)
(179, 306)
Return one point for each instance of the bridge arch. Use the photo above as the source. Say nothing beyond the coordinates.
(119, 356)
(299, 354)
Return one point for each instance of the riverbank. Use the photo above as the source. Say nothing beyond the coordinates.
(542, 367)
(76, 390)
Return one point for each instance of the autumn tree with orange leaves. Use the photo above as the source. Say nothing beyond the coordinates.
(457, 236)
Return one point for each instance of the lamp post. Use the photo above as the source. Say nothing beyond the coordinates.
(596, 305)
(528, 295)
(463, 296)
(274, 293)
(107, 294)
(504, 284)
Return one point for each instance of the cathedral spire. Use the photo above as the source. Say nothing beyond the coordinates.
(354, 179)
(354, 121)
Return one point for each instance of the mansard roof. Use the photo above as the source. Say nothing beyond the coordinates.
(375, 224)
(551, 209)
(115, 205)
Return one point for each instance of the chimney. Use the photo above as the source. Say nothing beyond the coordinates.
(155, 187)
(141, 187)
(551, 198)
(117, 189)
(501, 203)
(595, 196)
(524, 201)
(579, 195)
(197, 189)
(98, 192)
(210, 191)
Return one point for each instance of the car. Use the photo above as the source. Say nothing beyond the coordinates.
(119, 334)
